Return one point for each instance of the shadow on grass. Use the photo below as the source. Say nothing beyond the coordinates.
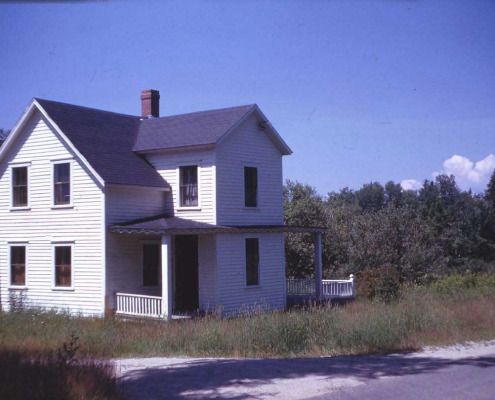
(245, 378)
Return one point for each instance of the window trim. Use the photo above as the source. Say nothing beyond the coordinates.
(9, 269)
(54, 269)
(258, 285)
(158, 243)
(12, 166)
(257, 206)
(69, 161)
(180, 207)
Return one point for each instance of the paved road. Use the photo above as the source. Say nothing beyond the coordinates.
(464, 379)
(457, 372)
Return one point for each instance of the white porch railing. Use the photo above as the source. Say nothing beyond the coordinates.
(332, 289)
(138, 305)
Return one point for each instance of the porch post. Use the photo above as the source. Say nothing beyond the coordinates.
(318, 270)
(167, 276)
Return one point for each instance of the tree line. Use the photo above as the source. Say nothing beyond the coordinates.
(436, 230)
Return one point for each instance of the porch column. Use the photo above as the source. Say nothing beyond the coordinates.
(167, 276)
(318, 271)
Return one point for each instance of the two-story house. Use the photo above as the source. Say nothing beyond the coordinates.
(143, 215)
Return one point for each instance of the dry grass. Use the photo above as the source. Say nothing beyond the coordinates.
(419, 318)
(47, 377)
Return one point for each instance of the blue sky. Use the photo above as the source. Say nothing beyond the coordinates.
(362, 91)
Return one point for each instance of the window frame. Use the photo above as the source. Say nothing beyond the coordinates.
(54, 266)
(13, 166)
(179, 205)
(9, 258)
(257, 187)
(69, 161)
(152, 242)
(258, 284)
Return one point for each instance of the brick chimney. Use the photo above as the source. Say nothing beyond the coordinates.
(150, 103)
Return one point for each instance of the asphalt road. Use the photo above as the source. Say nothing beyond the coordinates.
(449, 373)
(463, 379)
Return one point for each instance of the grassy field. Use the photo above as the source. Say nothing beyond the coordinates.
(436, 316)
(65, 355)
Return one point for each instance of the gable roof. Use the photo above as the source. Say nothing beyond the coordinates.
(105, 139)
(198, 129)
(193, 129)
(110, 142)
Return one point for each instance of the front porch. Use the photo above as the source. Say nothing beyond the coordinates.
(189, 267)
(298, 290)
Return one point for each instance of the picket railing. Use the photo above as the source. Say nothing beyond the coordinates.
(138, 305)
(331, 289)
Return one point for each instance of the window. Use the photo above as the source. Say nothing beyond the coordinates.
(151, 264)
(18, 265)
(252, 261)
(250, 186)
(63, 266)
(188, 186)
(20, 186)
(61, 184)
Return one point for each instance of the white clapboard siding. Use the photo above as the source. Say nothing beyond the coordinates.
(125, 204)
(249, 146)
(41, 225)
(168, 164)
(233, 294)
(207, 273)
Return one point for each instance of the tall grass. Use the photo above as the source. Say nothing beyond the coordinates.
(422, 316)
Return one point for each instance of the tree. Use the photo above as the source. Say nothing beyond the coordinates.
(490, 191)
(3, 135)
(371, 197)
(303, 206)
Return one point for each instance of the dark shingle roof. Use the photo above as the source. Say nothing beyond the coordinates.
(111, 142)
(105, 139)
(194, 129)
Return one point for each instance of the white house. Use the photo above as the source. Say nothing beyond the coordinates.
(143, 215)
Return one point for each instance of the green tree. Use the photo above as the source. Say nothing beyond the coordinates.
(371, 197)
(303, 206)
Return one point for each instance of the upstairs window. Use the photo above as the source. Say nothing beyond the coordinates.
(63, 266)
(250, 187)
(188, 177)
(20, 186)
(61, 184)
(252, 261)
(18, 265)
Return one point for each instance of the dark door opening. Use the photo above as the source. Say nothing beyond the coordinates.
(186, 273)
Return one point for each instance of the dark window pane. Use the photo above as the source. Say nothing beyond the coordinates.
(188, 185)
(252, 261)
(20, 186)
(18, 265)
(61, 181)
(151, 265)
(250, 186)
(63, 266)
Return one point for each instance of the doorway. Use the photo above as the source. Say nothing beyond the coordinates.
(186, 273)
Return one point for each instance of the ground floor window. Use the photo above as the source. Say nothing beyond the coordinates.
(151, 264)
(252, 261)
(18, 265)
(63, 266)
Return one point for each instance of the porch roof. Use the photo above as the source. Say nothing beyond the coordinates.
(166, 224)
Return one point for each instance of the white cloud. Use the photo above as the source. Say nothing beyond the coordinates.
(410, 184)
(467, 173)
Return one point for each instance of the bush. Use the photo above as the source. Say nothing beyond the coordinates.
(379, 284)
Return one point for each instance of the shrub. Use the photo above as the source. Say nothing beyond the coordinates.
(379, 284)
